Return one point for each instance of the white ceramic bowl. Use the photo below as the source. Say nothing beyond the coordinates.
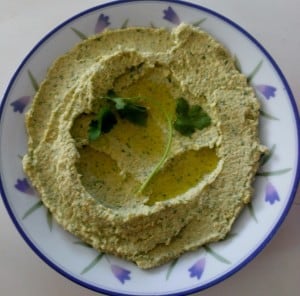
(275, 184)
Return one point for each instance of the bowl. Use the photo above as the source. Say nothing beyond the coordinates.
(275, 185)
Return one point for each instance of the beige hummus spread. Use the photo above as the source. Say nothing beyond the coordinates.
(146, 193)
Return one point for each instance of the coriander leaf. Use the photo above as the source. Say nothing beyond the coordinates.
(94, 131)
(136, 114)
(104, 122)
(120, 103)
(184, 126)
(199, 117)
(190, 118)
(111, 93)
(182, 107)
(108, 121)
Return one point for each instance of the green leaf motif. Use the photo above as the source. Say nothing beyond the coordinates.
(254, 71)
(229, 236)
(198, 23)
(81, 35)
(92, 264)
(33, 81)
(125, 24)
(273, 173)
(83, 244)
(267, 115)
(216, 255)
(251, 211)
(36, 206)
(170, 268)
(49, 220)
(237, 63)
(267, 156)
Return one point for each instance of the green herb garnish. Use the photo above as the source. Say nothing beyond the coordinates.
(189, 118)
(103, 123)
(107, 116)
(132, 112)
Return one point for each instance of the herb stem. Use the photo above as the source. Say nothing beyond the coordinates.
(163, 158)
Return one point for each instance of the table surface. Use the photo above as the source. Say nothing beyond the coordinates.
(275, 24)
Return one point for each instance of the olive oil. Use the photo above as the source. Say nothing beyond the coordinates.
(154, 94)
(181, 173)
(102, 179)
(116, 164)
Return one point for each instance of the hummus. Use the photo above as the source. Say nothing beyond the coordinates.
(145, 192)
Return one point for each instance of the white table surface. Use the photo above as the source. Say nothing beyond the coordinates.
(275, 24)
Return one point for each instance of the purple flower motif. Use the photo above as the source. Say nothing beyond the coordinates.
(267, 90)
(20, 104)
(271, 194)
(102, 23)
(121, 274)
(197, 269)
(171, 16)
(24, 186)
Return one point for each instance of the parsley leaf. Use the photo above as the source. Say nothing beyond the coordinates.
(189, 118)
(134, 113)
(107, 116)
(104, 122)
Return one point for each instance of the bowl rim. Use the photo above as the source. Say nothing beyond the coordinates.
(245, 34)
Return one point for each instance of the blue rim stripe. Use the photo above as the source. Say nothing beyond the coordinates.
(296, 116)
